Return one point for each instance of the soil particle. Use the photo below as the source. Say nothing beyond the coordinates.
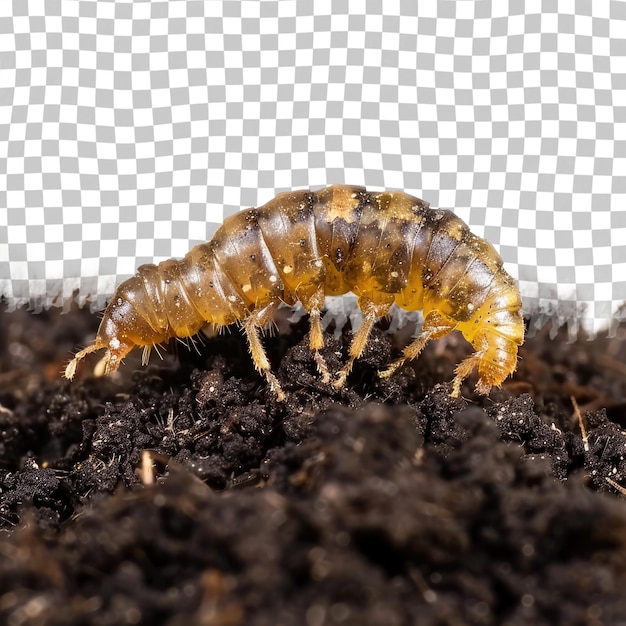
(183, 493)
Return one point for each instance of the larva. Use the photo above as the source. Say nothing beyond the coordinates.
(385, 247)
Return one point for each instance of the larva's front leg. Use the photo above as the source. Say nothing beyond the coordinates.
(495, 358)
(252, 326)
(464, 369)
(435, 325)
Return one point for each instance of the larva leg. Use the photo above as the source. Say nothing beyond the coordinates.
(359, 341)
(70, 370)
(251, 326)
(465, 368)
(313, 306)
(316, 339)
(116, 351)
(435, 326)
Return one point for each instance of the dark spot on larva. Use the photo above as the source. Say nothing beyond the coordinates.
(339, 255)
(253, 257)
(302, 243)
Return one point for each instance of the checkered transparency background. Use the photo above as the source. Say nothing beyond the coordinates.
(129, 130)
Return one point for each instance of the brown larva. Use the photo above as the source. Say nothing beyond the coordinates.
(386, 247)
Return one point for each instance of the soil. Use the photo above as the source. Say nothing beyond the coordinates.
(183, 493)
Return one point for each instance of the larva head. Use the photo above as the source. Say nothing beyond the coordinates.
(122, 328)
(496, 342)
(495, 329)
(496, 363)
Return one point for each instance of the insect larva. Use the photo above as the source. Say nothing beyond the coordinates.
(386, 247)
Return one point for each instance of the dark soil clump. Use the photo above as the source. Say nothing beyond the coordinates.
(183, 493)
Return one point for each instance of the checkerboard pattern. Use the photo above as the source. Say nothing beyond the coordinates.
(130, 129)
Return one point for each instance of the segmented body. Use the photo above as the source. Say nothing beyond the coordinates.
(386, 247)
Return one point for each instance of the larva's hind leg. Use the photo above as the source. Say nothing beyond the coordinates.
(313, 304)
(252, 326)
(359, 341)
(435, 325)
(316, 342)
